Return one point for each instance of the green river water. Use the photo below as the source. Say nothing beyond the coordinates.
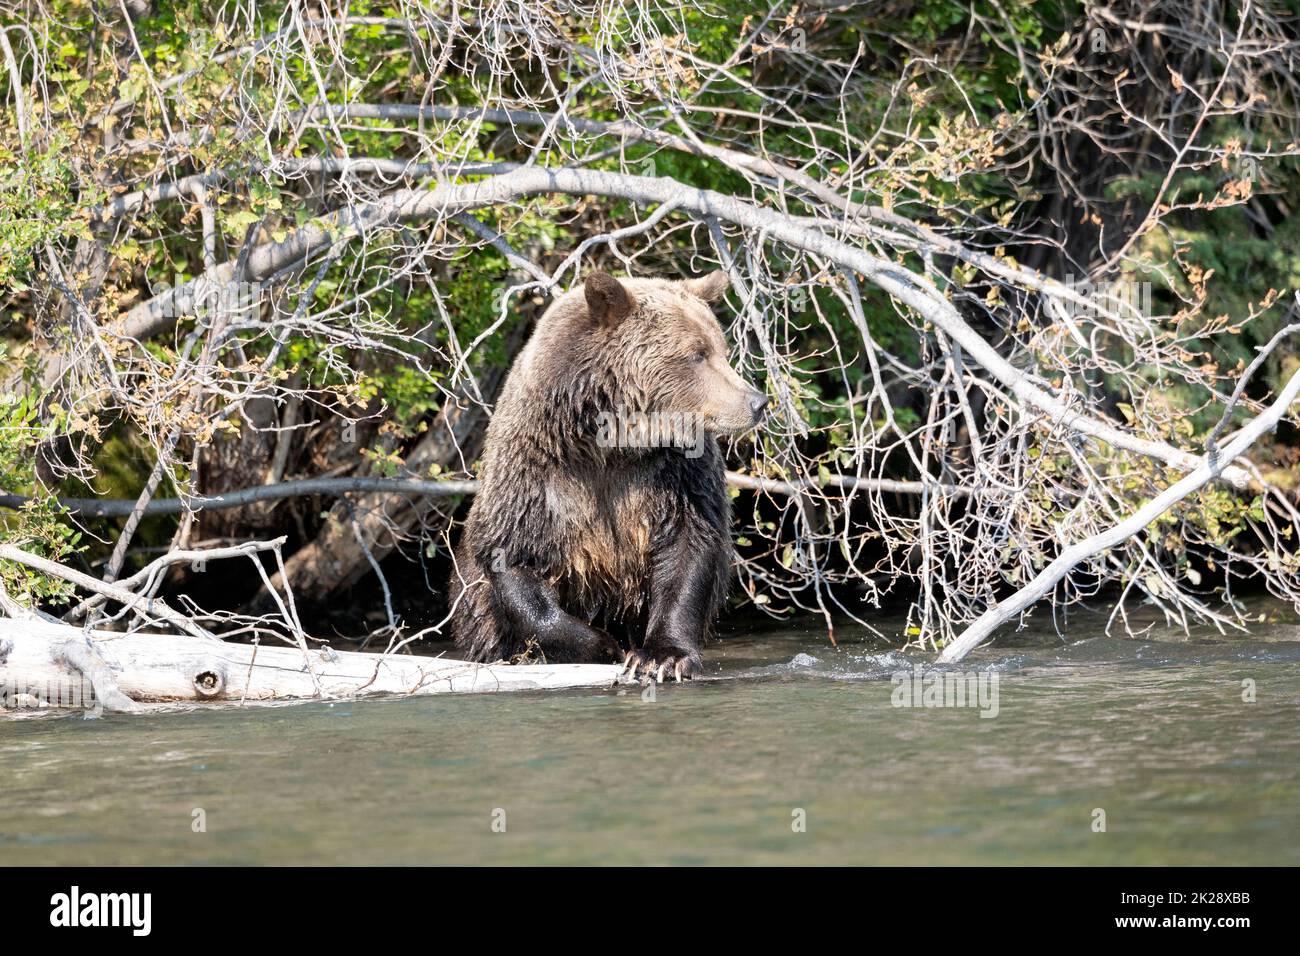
(791, 751)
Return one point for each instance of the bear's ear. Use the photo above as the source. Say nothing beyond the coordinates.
(711, 287)
(608, 301)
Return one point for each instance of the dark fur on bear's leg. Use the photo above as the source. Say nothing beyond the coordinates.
(691, 566)
(502, 614)
(683, 599)
(531, 607)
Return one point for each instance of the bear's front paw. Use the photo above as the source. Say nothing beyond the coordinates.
(604, 647)
(585, 644)
(660, 662)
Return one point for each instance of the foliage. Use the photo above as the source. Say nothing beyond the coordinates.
(995, 125)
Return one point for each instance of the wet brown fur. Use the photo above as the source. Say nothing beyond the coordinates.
(634, 542)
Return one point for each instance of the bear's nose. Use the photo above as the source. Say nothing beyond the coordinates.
(758, 403)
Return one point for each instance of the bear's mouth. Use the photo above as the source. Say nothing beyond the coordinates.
(732, 428)
(738, 421)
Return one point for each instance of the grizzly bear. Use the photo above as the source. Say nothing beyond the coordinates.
(602, 526)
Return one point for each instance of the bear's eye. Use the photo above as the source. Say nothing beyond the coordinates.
(701, 354)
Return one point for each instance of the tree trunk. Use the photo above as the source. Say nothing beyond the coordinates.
(44, 664)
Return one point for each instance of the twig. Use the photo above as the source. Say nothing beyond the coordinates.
(179, 556)
(1077, 553)
(135, 602)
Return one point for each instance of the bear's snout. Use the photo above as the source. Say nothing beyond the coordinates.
(758, 403)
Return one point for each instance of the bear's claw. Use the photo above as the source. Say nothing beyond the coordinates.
(646, 663)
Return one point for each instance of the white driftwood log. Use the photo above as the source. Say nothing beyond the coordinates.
(54, 662)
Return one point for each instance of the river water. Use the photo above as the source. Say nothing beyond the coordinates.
(1101, 750)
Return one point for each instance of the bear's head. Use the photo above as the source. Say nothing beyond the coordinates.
(664, 353)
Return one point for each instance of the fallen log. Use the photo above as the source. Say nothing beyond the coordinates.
(43, 664)
(442, 488)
